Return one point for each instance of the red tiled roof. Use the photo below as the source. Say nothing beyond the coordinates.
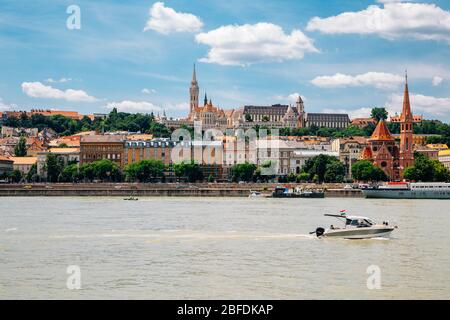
(381, 133)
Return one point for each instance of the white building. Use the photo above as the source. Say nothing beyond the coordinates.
(301, 156)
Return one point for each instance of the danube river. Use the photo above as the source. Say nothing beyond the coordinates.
(218, 248)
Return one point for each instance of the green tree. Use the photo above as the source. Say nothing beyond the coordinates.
(15, 176)
(191, 171)
(365, 171)
(426, 170)
(70, 173)
(335, 172)
(32, 173)
(87, 171)
(248, 118)
(145, 170)
(379, 114)
(106, 170)
(243, 172)
(303, 177)
(54, 166)
(317, 167)
(20, 150)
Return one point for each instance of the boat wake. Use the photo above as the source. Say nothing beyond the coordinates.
(185, 235)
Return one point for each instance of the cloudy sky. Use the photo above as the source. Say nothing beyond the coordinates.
(340, 55)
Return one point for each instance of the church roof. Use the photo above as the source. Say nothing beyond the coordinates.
(381, 133)
(367, 153)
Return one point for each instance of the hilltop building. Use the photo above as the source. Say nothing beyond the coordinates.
(274, 116)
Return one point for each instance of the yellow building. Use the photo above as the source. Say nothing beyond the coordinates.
(444, 158)
(23, 164)
(437, 146)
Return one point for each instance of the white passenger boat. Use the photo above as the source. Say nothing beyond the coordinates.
(355, 227)
(405, 190)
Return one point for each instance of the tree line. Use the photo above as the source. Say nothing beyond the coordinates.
(114, 121)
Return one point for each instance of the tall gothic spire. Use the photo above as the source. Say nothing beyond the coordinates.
(194, 76)
(406, 110)
(194, 92)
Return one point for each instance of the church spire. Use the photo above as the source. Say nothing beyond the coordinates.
(406, 132)
(406, 110)
(194, 76)
(206, 99)
(194, 92)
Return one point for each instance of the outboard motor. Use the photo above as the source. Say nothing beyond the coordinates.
(320, 231)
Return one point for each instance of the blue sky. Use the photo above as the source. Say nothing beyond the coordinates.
(341, 56)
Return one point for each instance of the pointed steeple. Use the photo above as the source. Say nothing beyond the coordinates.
(206, 99)
(194, 76)
(406, 111)
(194, 92)
(381, 133)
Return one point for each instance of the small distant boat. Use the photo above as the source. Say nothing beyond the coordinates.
(131, 199)
(283, 192)
(355, 227)
(255, 194)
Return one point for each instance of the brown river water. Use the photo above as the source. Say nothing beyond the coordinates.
(219, 248)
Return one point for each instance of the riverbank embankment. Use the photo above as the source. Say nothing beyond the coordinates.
(160, 189)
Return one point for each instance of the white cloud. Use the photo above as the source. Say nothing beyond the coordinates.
(390, 1)
(182, 106)
(353, 114)
(291, 98)
(166, 20)
(5, 106)
(62, 80)
(374, 79)
(437, 81)
(394, 20)
(439, 107)
(148, 91)
(39, 90)
(252, 43)
(134, 106)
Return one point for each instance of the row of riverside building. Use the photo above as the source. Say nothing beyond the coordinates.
(289, 154)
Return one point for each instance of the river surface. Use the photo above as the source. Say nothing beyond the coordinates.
(219, 248)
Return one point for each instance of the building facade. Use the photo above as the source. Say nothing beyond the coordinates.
(327, 120)
(383, 151)
(6, 166)
(349, 151)
(444, 158)
(274, 116)
(98, 147)
(24, 164)
(157, 149)
(68, 156)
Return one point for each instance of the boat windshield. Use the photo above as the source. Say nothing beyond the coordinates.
(359, 222)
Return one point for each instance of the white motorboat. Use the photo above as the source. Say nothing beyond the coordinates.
(355, 227)
(255, 194)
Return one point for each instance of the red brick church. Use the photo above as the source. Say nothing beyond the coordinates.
(382, 150)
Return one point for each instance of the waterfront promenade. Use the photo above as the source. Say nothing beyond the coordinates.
(162, 189)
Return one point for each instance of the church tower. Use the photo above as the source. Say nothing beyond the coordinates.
(301, 112)
(194, 92)
(406, 132)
